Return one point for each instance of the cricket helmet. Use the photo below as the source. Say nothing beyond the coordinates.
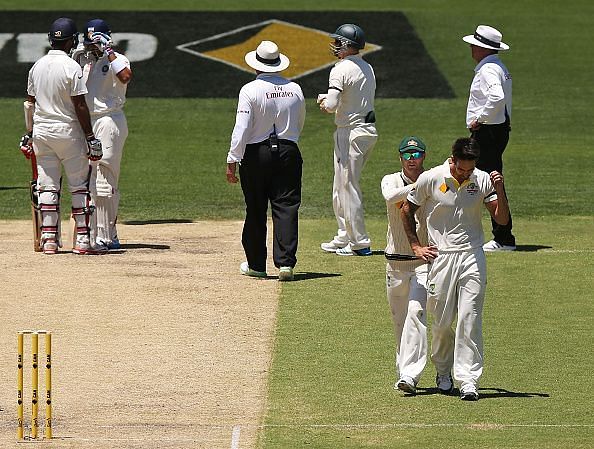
(93, 26)
(63, 29)
(350, 34)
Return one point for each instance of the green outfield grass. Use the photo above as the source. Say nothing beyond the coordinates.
(332, 373)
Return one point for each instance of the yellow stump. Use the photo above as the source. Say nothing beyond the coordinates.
(34, 383)
(20, 415)
(48, 385)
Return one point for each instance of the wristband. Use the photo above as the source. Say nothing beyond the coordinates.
(118, 65)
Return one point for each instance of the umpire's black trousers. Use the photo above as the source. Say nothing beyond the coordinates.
(492, 140)
(273, 176)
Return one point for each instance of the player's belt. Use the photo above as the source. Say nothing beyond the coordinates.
(401, 257)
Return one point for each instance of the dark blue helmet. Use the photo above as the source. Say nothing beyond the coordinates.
(350, 34)
(93, 26)
(63, 29)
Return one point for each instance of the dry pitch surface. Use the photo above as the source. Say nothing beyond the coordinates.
(160, 345)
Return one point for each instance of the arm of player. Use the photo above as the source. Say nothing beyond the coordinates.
(392, 193)
(498, 208)
(120, 65)
(329, 102)
(231, 176)
(493, 91)
(407, 212)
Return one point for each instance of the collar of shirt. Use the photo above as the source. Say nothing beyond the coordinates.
(57, 52)
(453, 181)
(491, 58)
(268, 75)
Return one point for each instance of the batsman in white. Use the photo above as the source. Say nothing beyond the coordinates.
(406, 275)
(107, 74)
(59, 132)
(350, 97)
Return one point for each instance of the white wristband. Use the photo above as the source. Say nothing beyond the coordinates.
(118, 65)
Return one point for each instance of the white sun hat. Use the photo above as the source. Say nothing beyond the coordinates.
(486, 37)
(267, 58)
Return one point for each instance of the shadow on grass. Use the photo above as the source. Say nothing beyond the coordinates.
(304, 276)
(143, 246)
(13, 188)
(531, 248)
(484, 393)
(149, 222)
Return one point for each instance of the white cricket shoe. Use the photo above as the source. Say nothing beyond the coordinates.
(406, 384)
(492, 246)
(468, 392)
(245, 269)
(83, 246)
(49, 244)
(331, 247)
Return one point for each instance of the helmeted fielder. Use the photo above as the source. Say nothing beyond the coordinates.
(350, 97)
(406, 275)
(107, 74)
(59, 129)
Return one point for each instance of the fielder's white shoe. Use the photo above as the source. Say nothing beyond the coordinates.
(407, 384)
(468, 392)
(285, 274)
(349, 251)
(492, 246)
(331, 247)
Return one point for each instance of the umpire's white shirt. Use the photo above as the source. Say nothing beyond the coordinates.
(268, 102)
(355, 79)
(53, 80)
(490, 93)
(107, 94)
(453, 210)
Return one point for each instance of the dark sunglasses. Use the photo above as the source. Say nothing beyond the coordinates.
(413, 155)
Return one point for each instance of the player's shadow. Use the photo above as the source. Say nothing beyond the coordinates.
(484, 393)
(144, 246)
(14, 188)
(304, 276)
(531, 248)
(163, 221)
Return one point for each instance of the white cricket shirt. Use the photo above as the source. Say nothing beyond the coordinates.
(490, 93)
(355, 79)
(395, 189)
(453, 210)
(53, 80)
(268, 102)
(107, 94)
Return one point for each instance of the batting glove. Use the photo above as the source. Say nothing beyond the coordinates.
(95, 151)
(26, 145)
(104, 41)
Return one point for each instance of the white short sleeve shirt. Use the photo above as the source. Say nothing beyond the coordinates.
(53, 80)
(454, 210)
(355, 79)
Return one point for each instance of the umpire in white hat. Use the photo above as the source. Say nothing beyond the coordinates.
(488, 115)
(270, 117)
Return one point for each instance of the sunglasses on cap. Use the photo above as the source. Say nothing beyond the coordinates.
(413, 155)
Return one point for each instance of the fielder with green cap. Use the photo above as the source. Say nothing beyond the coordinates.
(406, 275)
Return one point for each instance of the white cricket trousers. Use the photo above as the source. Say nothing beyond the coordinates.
(112, 130)
(352, 147)
(456, 286)
(57, 145)
(408, 301)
